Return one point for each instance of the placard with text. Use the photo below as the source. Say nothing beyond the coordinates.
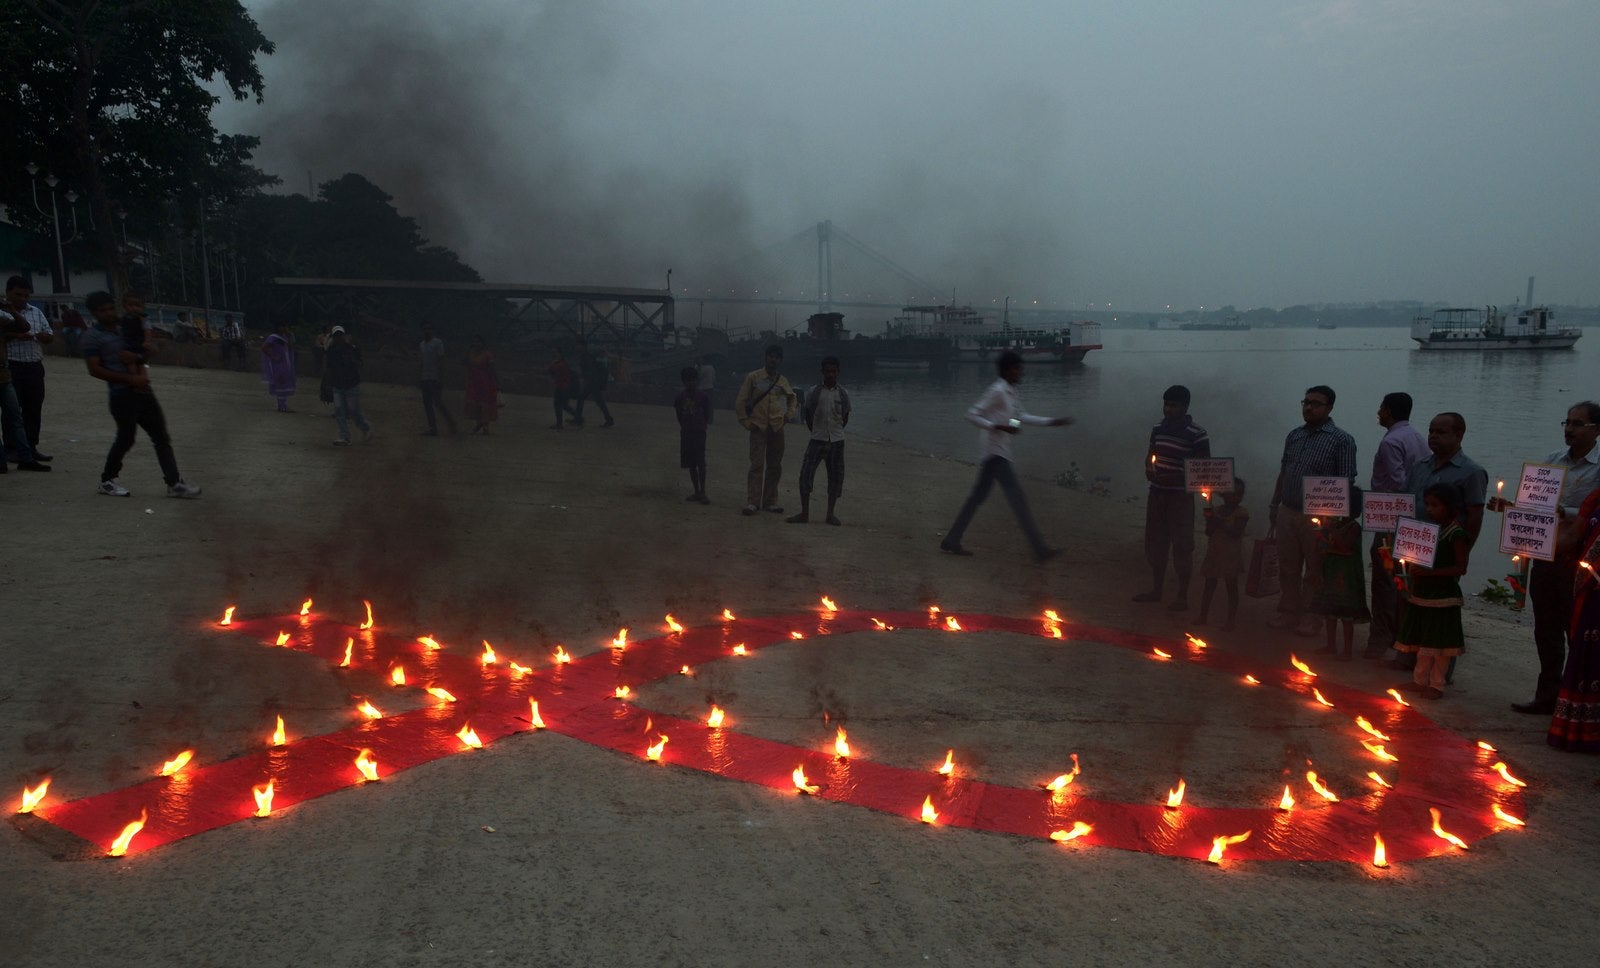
(1211, 475)
(1381, 511)
(1416, 542)
(1540, 487)
(1529, 533)
(1325, 496)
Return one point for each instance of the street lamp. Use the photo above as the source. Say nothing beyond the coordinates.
(55, 220)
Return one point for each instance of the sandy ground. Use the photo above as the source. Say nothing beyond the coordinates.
(531, 537)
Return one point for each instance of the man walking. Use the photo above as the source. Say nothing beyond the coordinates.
(432, 352)
(1316, 448)
(827, 411)
(765, 403)
(1169, 509)
(595, 375)
(232, 342)
(1550, 583)
(999, 416)
(25, 356)
(343, 362)
(1401, 449)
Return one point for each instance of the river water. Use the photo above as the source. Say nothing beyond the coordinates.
(1247, 388)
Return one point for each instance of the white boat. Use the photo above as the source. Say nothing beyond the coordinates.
(977, 337)
(1491, 329)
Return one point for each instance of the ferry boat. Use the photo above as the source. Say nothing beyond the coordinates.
(977, 337)
(1491, 329)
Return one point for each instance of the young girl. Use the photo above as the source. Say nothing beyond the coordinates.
(1340, 584)
(1431, 626)
(1224, 551)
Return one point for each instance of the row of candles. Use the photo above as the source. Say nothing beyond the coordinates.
(367, 765)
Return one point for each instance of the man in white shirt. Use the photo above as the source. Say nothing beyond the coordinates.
(827, 411)
(25, 354)
(999, 415)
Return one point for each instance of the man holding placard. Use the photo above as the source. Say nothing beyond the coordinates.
(1447, 465)
(1169, 510)
(1401, 448)
(1550, 582)
(1317, 448)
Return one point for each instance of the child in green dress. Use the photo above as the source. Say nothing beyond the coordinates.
(1431, 626)
(1338, 580)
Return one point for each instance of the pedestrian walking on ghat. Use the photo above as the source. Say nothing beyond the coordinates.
(133, 404)
(343, 377)
(1550, 583)
(766, 402)
(278, 366)
(1431, 626)
(827, 411)
(1337, 583)
(233, 342)
(1402, 448)
(999, 416)
(1316, 448)
(595, 375)
(693, 407)
(561, 389)
(1169, 508)
(24, 353)
(1224, 560)
(483, 388)
(431, 354)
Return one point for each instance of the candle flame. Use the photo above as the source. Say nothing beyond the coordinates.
(278, 736)
(1505, 775)
(562, 656)
(949, 766)
(1443, 833)
(263, 795)
(489, 658)
(120, 845)
(305, 608)
(685, 671)
(739, 649)
(429, 641)
(177, 763)
(1286, 802)
(1195, 642)
(227, 615)
(1380, 781)
(672, 624)
(1060, 783)
(950, 624)
(368, 623)
(653, 753)
(1380, 855)
(1250, 680)
(929, 815)
(621, 639)
(1175, 797)
(349, 650)
(534, 719)
(369, 710)
(841, 745)
(1322, 791)
(1508, 818)
(1294, 660)
(283, 638)
(439, 692)
(715, 719)
(1206, 494)
(469, 737)
(827, 604)
(1055, 631)
(1316, 522)
(1486, 747)
(933, 610)
(1079, 829)
(880, 625)
(367, 765)
(1395, 694)
(1317, 695)
(1221, 844)
(801, 783)
(517, 668)
(622, 692)
(33, 797)
(1051, 615)
(796, 635)
(1377, 749)
(397, 675)
(1160, 654)
(1368, 728)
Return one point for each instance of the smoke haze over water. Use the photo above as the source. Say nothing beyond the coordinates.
(1126, 155)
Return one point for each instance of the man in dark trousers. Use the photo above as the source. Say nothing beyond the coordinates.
(1169, 509)
(595, 375)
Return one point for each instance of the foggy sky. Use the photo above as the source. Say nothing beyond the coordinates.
(1137, 154)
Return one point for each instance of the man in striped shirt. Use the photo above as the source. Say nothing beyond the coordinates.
(1317, 448)
(1169, 510)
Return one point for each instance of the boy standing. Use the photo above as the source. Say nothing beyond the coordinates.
(827, 411)
(133, 405)
(694, 416)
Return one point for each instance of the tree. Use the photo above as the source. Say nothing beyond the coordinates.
(111, 99)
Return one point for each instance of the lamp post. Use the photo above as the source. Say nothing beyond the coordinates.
(55, 221)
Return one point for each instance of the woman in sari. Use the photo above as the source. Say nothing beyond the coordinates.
(1576, 725)
(277, 366)
(483, 387)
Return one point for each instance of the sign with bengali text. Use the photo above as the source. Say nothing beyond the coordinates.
(1540, 487)
(1529, 533)
(1213, 475)
(1381, 511)
(1416, 542)
(1329, 496)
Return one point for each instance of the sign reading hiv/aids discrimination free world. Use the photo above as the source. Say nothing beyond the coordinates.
(1382, 511)
(1540, 487)
(1529, 533)
(1208, 475)
(1416, 542)
(1325, 496)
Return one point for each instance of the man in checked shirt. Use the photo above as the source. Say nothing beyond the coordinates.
(1317, 448)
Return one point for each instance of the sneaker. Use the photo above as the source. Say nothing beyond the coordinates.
(341, 442)
(749, 509)
(113, 488)
(182, 489)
